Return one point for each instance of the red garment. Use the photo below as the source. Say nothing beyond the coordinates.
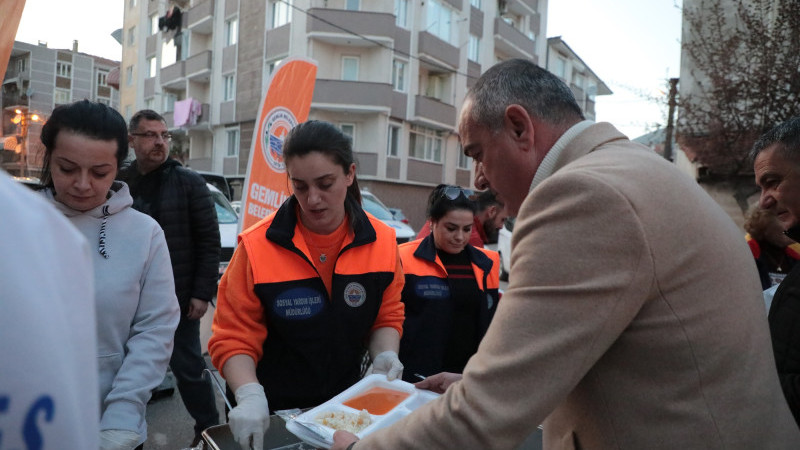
(477, 238)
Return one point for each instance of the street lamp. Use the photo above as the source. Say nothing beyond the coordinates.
(23, 120)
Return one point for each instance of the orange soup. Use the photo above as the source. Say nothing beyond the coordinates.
(377, 400)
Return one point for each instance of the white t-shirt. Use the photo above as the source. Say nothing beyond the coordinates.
(48, 365)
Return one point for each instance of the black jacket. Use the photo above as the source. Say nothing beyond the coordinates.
(784, 327)
(178, 199)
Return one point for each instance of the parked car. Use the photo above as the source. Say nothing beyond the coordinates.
(374, 206)
(504, 247)
(228, 226)
(219, 181)
(397, 213)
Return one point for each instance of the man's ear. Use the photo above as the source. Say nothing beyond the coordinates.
(518, 123)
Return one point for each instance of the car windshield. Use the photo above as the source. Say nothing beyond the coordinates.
(225, 213)
(375, 208)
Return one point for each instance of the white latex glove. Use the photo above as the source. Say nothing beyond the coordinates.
(250, 418)
(118, 440)
(387, 363)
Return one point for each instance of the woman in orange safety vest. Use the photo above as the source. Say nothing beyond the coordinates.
(308, 289)
(451, 289)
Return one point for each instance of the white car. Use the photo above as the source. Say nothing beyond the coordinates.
(504, 247)
(228, 226)
(374, 206)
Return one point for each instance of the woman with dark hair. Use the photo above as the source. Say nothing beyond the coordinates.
(451, 289)
(308, 289)
(137, 312)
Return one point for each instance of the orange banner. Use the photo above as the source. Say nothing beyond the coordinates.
(286, 103)
(10, 14)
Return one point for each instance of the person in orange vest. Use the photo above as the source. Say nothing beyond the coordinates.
(451, 289)
(308, 290)
(489, 217)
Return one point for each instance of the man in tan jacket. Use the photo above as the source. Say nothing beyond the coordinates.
(634, 319)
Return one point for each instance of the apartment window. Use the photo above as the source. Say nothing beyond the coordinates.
(350, 68)
(129, 75)
(591, 91)
(150, 103)
(281, 13)
(351, 5)
(61, 96)
(151, 67)
(169, 101)
(183, 47)
(104, 100)
(153, 25)
(128, 112)
(425, 143)
(474, 48)
(229, 88)
(438, 86)
(578, 80)
(231, 31)
(132, 4)
(132, 35)
(349, 130)
(401, 13)
(560, 69)
(393, 144)
(399, 75)
(271, 65)
(475, 3)
(232, 142)
(439, 18)
(22, 64)
(64, 69)
(101, 78)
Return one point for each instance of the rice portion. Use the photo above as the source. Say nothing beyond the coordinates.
(345, 421)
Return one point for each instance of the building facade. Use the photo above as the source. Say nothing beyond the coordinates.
(567, 65)
(37, 80)
(391, 73)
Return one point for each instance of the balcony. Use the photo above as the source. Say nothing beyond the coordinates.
(375, 25)
(174, 76)
(200, 17)
(511, 41)
(431, 110)
(198, 67)
(277, 41)
(434, 51)
(338, 95)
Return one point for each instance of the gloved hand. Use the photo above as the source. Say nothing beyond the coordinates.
(387, 363)
(250, 417)
(118, 440)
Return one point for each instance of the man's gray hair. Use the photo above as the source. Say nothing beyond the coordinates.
(521, 82)
(787, 135)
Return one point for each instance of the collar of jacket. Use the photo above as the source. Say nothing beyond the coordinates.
(281, 230)
(427, 251)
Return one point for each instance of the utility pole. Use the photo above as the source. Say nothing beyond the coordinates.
(673, 92)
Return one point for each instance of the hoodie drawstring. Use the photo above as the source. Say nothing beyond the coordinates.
(102, 243)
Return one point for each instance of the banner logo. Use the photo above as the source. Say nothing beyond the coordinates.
(277, 125)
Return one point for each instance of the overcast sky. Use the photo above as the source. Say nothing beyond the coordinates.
(632, 45)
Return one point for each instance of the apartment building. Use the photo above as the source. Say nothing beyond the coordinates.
(567, 65)
(392, 74)
(37, 80)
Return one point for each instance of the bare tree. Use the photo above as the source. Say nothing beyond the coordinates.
(744, 59)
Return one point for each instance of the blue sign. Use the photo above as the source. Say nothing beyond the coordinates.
(432, 288)
(298, 303)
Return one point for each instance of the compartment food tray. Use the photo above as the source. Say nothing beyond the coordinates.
(322, 436)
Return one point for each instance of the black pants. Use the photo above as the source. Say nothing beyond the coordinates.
(187, 365)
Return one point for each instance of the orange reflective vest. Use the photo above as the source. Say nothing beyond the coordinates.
(429, 306)
(273, 306)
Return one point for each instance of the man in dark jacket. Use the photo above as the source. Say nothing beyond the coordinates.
(182, 204)
(776, 161)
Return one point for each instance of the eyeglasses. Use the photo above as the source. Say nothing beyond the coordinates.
(452, 192)
(152, 135)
